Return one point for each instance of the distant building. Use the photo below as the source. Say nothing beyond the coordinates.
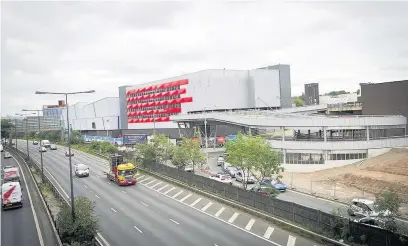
(54, 110)
(311, 96)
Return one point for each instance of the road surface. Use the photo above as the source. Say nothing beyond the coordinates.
(156, 213)
(28, 225)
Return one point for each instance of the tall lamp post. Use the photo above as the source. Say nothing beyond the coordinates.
(39, 134)
(26, 133)
(69, 140)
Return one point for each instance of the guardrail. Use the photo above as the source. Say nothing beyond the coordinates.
(33, 163)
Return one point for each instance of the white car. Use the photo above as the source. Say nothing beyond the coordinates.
(1, 147)
(11, 195)
(222, 177)
(42, 149)
(241, 175)
(53, 147)
(365, 208)
(35, 142)
(81, 170)
(220, 161)
(7, 155)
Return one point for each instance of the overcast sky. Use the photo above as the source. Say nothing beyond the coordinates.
(71, 46)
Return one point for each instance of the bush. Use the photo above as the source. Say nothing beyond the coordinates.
(103, 148)
(83, 230)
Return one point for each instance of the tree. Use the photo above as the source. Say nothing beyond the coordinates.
(83, 230)
(158, 150)
(76, 138)
(388, 201)
(188, 153)
(268, 162)
(6, 127)
(299, 102)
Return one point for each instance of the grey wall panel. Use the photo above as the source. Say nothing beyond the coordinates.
(123, 109)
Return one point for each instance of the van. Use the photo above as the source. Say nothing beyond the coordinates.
(11, 195)
(11, 174)
(45, 143)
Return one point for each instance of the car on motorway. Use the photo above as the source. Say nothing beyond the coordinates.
(244, 177)
(222, 177)
(278, 184)
(366, 208)
(81, 170)
(35, 142)
(231, 170)
(220, 160)
(67, 153)
(53, 147)
(7, 155)
(11, 195)
(263, 190)
(42, 149)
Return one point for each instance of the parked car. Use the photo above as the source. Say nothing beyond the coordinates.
(42, 149)
(53, 147)
(275, 183)
(264, 190)
(364, 207)
(241, 175)
(35, 142)
(224, 166)
(220, 161)
(81, 170)
(232, 171)
(7, 155)
(69, 154)
(222, 177)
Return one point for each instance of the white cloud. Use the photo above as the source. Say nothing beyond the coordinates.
(69, 46)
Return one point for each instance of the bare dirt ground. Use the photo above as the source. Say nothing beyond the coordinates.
(363, 179)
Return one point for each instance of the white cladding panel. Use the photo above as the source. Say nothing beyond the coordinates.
(107, 107)
(89, 110)
(266, 87)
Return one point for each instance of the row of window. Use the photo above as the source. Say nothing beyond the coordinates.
(309, 158)
(155, 107)
(154, 91)
(155, 99)
(150, 116)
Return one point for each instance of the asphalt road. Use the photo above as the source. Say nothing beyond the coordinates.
(154, 213)
(28, 225)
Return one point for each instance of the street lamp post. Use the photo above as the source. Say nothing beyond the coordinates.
(69, 140)
(15, 131)
(26, 133)
(39, 134)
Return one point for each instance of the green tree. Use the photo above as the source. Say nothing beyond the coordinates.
(388, 201)
(76, 138)
(299, 102)
(6, 127)
(83, 230)
(188, 153)
(268, 161)
(158, 150)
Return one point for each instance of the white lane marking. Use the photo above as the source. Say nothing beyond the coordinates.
(233, 217)
(185, 198)
(219, 212)
(162, 187)
(123, 191)
(138, 229)
(207, 206)
(250, 224)
(97, 196)
(144, 204)
(268, 232)
(195, 202)
(140, 181)
(109, 182)
(103, 239)
(215, 244)
(113, 210)
(169, 190)
(291, 241)
(178, 193)
(140, 176)
(86, 186)
(37, 226)
(175, 222)
(157, 184)
(76, 178)
(150, 182)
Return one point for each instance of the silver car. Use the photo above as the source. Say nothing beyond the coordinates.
(232, 171)
(7, 155)
(365, 208)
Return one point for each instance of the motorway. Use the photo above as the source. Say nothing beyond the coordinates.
(156, 213)
(28, 225)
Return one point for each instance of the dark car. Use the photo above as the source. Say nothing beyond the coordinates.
(274, 183)
(264, 190)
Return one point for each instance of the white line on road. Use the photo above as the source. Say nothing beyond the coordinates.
(113, 210)
(291, 241)
(109, 182)
(185, 198)
(76, 178)
(268, 232)
(233, 217)
(144, 204)
(162, 187)
(157, 184)
(178, 193)
(86, 186)
(140, 177)
(123, 191)
(207, 206)
(144, 179)
(97, 196)
(195, 202)
(249, 225)
(150, 182)
(138, 229)
(169, 190)
(175, 222)
(219, 212)
(103, 239)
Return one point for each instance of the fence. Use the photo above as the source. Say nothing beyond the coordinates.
(313, 219)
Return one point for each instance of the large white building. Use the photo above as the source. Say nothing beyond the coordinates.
(150, 105)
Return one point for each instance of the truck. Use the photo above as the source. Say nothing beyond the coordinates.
(45, 143)
(119, 172)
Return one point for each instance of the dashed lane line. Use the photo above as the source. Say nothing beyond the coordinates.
(233, 217)
(268, 232)
(291, 241)
(219, 212)
(113, 210)
(157, 184)
(150, 182)
(162, 187)
(138, 229)
(195, 202)
(206, 206)
(250, 224)
(175, 222)
(165, 193)
(178, 193)
(185, 198)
